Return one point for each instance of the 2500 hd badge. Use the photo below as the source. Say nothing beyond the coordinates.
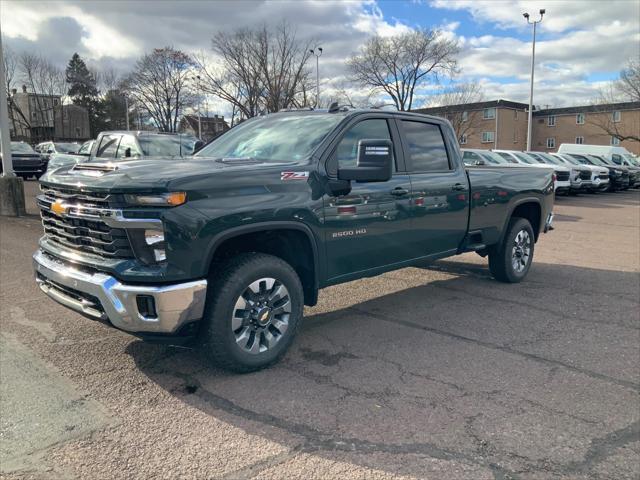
(349, 233)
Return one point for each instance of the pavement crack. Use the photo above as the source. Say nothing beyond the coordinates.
(503, 348)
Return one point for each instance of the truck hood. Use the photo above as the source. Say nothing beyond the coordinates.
(149, 174)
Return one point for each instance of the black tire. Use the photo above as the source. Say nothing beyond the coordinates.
(229, 282)
(501, 256)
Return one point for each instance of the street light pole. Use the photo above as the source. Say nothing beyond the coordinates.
(533, 61)
(126, 110)
(317, 52)
(5, 145)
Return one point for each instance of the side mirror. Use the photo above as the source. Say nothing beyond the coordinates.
(127, 152)
(480, 162)
(49, 151)
(374, 162)
(198, 145)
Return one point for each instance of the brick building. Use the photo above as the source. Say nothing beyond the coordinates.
(502, 124)
(211, 126)
(590, 125)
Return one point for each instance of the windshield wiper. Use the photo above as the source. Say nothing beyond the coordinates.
(233, 160)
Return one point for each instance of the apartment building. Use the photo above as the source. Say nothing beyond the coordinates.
(502, 124)
(591, 125)
(488, 125)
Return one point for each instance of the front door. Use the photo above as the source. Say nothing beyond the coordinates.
(440, 189)
(366, 229)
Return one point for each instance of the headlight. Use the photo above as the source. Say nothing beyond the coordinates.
(172, 199)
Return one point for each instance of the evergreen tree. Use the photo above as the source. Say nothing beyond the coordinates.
(84, 92)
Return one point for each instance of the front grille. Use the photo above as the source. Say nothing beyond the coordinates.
(585, 175)
(86, 235)
(562, 176)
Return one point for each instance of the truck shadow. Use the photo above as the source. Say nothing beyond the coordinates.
(450, 365)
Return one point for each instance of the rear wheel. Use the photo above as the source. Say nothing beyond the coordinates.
(510, 261)
(254, 307)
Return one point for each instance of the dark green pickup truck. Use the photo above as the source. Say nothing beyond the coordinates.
(227, 247)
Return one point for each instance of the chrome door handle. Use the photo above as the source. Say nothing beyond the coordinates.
(399, 191)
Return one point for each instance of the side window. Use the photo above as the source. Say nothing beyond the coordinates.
(427, 152)
(347, 150)
(469, 158)
(128, 147)
(108, 146)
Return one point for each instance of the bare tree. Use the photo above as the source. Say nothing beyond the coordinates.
(260, 69)
(48, 83)
(399, 64)
(624, 89)
(464, 122)
(159, 85)
(628, 85)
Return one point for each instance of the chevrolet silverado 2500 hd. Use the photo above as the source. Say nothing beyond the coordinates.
(227, 246)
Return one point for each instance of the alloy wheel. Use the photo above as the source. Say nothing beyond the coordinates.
(261, 315)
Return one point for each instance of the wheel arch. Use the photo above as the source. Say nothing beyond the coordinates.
(284, 239)
(529, 208)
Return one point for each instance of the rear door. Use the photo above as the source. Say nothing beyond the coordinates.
(367, 228)
(440, 189)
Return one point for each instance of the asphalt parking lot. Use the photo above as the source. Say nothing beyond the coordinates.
(438, 373)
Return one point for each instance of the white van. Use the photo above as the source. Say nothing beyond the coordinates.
(618, 155)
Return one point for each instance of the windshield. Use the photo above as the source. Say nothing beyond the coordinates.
(274, 138)
(525, 158)
(506, 156)
(593, 160)
(548, 158)
(602, 160)
(633, 161)
(493, 158)
(67, 147)
(166, 145)
(20, 147)
(537, 156)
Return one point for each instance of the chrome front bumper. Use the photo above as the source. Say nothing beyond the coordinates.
(102, 296)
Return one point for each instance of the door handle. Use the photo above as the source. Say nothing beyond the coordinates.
(458, 186)
(399, 191)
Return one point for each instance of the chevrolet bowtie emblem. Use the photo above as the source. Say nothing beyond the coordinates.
(58, 208)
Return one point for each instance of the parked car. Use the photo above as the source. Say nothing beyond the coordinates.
(226, 247)
(47, 149)
(609, 154)
(60, 159)
(477, 157)
(563, 174)
(618, 177)
(599, 175)
(580, 176)
(26, 161)
(631, 173)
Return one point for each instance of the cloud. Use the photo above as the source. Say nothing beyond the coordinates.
(578, 40)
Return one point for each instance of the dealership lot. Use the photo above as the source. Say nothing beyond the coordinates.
(425, 373)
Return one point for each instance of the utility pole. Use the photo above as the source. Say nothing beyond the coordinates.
(11, 187)
(533, 61)
(317, 52)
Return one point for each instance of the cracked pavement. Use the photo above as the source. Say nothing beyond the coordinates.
(435, 372)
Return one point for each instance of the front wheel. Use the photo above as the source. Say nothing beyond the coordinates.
(254, 306)
(510, 261)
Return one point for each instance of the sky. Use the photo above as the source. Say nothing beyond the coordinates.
(581, 45)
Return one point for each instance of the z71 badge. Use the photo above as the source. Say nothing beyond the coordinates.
(286, 176)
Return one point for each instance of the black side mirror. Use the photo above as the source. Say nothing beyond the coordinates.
(49, 151)
(375, 159)
(127, 152)
(480, 162)
(198, 145)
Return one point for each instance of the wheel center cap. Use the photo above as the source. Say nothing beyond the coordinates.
(263, 316)
(519, 252)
